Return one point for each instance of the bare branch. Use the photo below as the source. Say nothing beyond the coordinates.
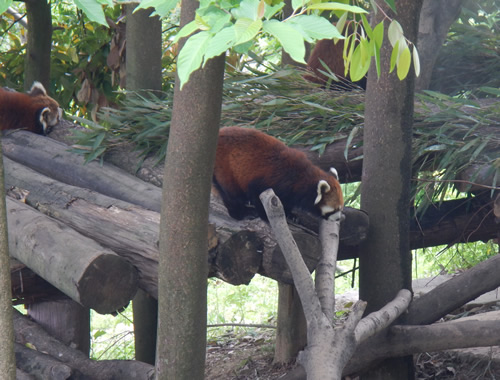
(325, 271)
(379, 320)
(300, 273)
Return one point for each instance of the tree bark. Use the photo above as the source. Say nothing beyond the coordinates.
(51, 158)
(28, 332)
(143, 34)
(436, 18)
(64, 319)
(385, 258)
(41, 365)
(328, 349)
(183, 229)
(91, 275)
(7, 359)
(291, 331)
(141, 27)
(37, 62)
(405, 340)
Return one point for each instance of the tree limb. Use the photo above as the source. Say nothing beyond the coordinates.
(325, 271)
(301, 275)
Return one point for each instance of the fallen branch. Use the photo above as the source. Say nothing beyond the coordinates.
(329, 348)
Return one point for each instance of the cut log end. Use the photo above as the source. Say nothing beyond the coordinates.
(108, 284)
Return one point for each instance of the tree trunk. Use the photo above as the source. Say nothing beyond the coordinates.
(385, 259)
(183, 228)
(37, 61)
(291, 332)
(145, 309)
(141, 27)
(436, 18)
(7, 359)
(65, 320)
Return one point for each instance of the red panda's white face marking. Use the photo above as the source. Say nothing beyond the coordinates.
(334, 172)
(328, 199)
(50, 115)
(323, 187)
(50, 118)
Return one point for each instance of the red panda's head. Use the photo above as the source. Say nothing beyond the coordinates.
(48, 112)
(329, 199)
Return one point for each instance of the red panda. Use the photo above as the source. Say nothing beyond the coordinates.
(328, 53)
(249, 161)
(34, 111)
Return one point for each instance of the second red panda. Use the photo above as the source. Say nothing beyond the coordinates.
(34, 111)
(249, 161)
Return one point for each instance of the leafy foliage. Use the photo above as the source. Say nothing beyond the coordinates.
(469, 61)
(283, 104)
(81, 79)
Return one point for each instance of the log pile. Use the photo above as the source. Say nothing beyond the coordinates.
(91, 232)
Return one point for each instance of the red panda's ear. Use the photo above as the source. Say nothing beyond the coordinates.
(323, 187)
(37, 89)
(334, 172)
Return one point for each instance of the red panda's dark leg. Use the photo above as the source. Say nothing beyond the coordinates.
(235, 204)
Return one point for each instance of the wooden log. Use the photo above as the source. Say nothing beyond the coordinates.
(41, 365)
(91, 275)
(52, 158)
(29, 332)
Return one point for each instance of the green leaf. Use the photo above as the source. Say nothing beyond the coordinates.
(92, 10)
(186, 30)
(404, 63)
(291, 40)
(367, 27)
(247, 9)
(337, 7)
(376, 53)
(191, 55)
(162, 7)
(220, 42)
(378, 34)
(360, 62)
(313, 27)
(246, 29)
(394, 56)
(395, 32)
(296, 4)
(272, 10)
(4, 4)
(391, 5)
(416, 61)
(213, 18)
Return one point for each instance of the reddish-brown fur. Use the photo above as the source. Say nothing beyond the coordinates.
(249, 161)
(34, 111)
(332, 56)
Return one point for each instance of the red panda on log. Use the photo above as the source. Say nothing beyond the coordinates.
(34, 111)
(249, 161)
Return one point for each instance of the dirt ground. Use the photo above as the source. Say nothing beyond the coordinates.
(251, 358)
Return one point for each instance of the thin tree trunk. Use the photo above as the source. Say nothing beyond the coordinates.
(385, 258)
(66, 320)
(187, 181)
(141, 27)
(37, 62)
(7, 359)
